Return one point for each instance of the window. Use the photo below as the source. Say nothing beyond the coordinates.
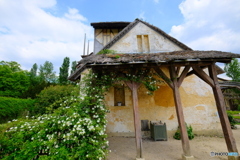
(143, 43)
(119, 95)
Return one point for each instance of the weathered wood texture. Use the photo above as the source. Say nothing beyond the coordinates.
(228, 135)
(183, 75)
(179, 110)
(137, 125)
(163, 76)
(201, 74)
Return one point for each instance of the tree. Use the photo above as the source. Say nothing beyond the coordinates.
(46, 72)
(14, 66)
(13, 80)
(233, 70)
(34, 78)
(33, 70)
(63, 75)
(37, 84)
(74, 65)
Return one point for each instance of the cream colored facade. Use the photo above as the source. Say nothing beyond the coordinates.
(157, 43)
(197, 98)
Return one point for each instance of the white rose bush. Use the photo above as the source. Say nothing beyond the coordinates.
(75, 130)
(75, 126)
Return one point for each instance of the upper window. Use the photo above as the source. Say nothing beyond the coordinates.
(143, 43)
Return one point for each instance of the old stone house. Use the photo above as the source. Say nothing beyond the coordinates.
(189, 92)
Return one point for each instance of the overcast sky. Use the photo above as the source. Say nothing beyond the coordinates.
(35, 31)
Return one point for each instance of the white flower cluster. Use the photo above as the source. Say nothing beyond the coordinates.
(72, 123)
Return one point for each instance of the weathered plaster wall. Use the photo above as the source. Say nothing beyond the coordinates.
(158, 43)
(102, 37)
(198, 107)
(197, 98)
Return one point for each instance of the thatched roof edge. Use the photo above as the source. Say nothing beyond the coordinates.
(162, 57)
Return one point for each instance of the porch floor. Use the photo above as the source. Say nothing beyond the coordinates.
(123, 148)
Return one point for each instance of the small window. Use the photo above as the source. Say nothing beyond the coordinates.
(119, 95)
(143, 43)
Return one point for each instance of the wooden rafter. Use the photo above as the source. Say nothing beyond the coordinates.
(201, 74)
(178, 70)
(163, 76)
(192, 72)
(183, 75)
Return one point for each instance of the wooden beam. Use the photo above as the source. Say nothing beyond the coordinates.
(194, 72)
(226, 127)
(129, 84)
(137, 125)
(178, 70)
(163, 76)
(201, 74)
(179, 110)
(183, 75)
(114, 66)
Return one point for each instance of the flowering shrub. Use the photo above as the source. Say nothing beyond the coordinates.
(76, 130)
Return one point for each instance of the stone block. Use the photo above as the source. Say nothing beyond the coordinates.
(187, 157)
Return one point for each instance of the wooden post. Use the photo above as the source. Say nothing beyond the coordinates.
(138, 137)
(180, 116)
(226, 127)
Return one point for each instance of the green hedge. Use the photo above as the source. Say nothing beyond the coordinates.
(50, 95)
(233, 112)
(13, 108)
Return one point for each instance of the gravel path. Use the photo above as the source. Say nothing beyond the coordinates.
(123, 148)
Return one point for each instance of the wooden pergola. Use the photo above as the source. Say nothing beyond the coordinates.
(189, 62)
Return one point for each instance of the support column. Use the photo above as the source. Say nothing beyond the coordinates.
(138, 137)
(180, 116)
(226, 127)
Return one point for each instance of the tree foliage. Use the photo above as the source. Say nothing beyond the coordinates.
(63, 74)
(50, 95)
(33, 71)
(46, 72)
(13, 80)
(14, 66)
(74, 65)
(233, 70)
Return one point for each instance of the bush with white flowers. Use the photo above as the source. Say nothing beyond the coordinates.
(75, 130)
